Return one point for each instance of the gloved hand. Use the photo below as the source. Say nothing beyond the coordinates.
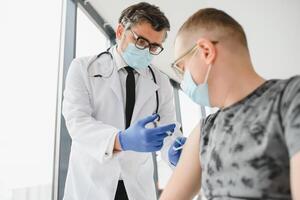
(141, 139)
(175, 150)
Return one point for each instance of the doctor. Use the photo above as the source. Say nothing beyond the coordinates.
(108, 106)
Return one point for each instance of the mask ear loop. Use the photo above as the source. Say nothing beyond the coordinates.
(208, 71)
(209, 67)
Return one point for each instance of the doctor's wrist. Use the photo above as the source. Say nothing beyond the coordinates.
(117, 145)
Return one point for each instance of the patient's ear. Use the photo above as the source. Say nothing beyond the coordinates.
(208, 50)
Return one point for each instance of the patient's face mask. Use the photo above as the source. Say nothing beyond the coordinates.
(137, 58)
(197, 92)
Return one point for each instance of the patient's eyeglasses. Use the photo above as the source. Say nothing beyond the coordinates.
(179, 72)
(175, 65)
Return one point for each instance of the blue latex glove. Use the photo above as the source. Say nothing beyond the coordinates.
(175, 150)
(141, 139)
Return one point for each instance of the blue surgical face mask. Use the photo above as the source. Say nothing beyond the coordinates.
(137, 58)
(198, 93)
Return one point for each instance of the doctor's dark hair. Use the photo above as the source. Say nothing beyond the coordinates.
(144, 12)
(212, 19)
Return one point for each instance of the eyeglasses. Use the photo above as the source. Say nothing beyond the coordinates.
(143, 43)
(178, 71)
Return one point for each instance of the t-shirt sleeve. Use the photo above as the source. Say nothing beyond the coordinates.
(290, 107)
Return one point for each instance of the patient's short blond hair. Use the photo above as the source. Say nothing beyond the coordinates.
(216, 21)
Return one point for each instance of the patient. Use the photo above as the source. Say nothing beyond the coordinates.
(250, 148)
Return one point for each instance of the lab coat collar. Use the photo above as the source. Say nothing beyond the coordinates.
(120, 62)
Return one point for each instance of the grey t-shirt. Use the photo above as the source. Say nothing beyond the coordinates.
(245, 149)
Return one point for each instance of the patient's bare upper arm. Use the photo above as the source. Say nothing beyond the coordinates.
(295, 176)
(186, 178)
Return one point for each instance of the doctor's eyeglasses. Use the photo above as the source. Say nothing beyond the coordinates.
(143, 43)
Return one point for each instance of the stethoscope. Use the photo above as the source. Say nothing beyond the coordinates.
(109, 74)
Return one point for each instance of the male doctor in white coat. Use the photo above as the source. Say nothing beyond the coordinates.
(108, 106)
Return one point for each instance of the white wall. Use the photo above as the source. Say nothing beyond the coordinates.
(273, 30)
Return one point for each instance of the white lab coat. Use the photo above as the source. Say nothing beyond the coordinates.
(94, 113)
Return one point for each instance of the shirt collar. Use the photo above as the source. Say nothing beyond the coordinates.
(120, 62)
